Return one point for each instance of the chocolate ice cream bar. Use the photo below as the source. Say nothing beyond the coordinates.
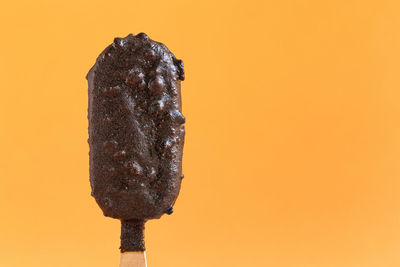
(136, 133)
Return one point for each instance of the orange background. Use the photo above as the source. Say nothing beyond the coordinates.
(293, 133)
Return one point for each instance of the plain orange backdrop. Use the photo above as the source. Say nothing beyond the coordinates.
(293, 132)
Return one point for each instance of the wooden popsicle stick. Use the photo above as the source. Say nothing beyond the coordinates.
(133, 259)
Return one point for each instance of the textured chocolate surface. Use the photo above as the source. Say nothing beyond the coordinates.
(136, 129)
(132, 235)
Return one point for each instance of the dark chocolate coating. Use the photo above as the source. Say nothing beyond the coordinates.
(132, 235)
(136, 129)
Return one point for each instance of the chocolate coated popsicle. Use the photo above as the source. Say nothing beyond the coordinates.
(136, 133)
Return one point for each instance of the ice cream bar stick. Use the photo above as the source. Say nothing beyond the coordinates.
(133, 259)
